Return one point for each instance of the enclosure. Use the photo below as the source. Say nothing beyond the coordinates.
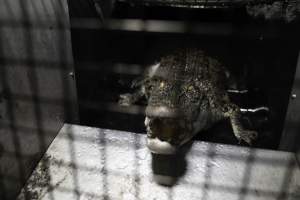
(64, 65)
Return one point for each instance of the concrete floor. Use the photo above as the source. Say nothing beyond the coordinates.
(92, 163)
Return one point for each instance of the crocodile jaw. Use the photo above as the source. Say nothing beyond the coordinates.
(157, 146)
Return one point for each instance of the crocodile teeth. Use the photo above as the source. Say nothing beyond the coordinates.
(147, 121)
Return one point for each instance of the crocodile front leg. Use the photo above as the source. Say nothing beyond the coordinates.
(239, 131)
(128, 99)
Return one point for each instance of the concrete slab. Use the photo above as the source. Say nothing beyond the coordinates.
(92, 163)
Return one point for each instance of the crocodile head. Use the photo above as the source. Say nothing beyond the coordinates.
(177, 93)
(169, 114)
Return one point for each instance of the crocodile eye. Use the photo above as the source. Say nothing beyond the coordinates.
(190, 87)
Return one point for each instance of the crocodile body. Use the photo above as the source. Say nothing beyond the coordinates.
(186, 93)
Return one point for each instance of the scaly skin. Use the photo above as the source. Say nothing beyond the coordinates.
(186, 93)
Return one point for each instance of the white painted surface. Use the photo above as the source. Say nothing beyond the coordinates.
(35, 62)
(91, 163)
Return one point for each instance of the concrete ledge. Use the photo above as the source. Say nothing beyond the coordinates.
(91, 163)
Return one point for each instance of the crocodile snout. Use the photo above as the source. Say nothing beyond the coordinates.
(158, 146)
(162, 112)
(163, 127)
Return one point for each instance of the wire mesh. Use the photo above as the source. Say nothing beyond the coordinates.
(28, 128)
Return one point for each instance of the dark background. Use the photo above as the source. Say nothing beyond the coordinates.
(260, 53)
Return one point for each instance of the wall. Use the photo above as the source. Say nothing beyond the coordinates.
(37, 87)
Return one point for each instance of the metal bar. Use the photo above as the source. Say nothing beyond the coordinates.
(177, 27)
(195, 3)
(220, 4)
(290, 140)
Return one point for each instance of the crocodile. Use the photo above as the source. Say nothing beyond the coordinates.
(186, 94)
